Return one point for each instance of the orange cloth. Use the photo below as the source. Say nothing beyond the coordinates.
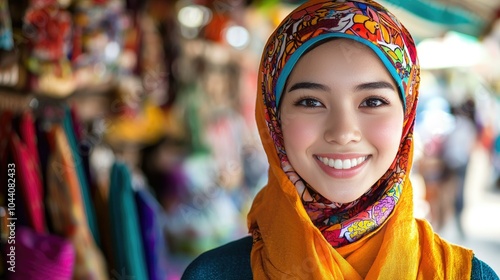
(66, 208)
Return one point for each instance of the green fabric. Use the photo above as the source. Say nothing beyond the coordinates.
(82, 180)
(128, 250)
(453, 18)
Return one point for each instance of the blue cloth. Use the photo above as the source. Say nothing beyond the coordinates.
(153, 238)
(232, 261)
(480, 270)
(229, 262)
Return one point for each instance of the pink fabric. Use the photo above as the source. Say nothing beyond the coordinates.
(27, 166)
(42, 256)
(28, 175)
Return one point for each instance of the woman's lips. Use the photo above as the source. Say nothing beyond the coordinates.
(342, 167)
(342, 163)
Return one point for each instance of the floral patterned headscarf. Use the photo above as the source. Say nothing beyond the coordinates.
(372, 25)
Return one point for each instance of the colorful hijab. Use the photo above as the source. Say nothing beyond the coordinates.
(299, 233)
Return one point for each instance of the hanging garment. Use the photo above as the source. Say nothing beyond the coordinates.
(101, 199)
(22, 150)
(376, 236)
(42, 256)
(66, 208)
(153, 235)
(128, 251)
(80, 172)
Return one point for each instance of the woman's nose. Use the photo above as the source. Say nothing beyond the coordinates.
(342, 127)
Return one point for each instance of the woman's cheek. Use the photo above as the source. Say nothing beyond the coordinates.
(299, 131)
(385, 133)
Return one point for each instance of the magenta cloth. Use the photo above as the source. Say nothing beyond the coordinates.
(42, 256)
(23, 152)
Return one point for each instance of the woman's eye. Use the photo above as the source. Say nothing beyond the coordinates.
(309, 102)
(373, 102)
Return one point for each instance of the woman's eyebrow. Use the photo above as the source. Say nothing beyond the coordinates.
(375, 85)
(308, 85)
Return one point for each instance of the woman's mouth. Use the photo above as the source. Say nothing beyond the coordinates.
(342, 163)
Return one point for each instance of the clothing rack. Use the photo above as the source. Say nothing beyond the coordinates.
(99, 260)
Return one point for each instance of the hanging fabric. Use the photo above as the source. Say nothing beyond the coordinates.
(153, 237)
(128, 251)
(21, 149)
(82, 179)
(66, 207)
(42, 256)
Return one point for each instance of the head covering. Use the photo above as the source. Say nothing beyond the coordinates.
(297, 232)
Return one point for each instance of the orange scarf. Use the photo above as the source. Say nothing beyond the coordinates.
(287, 245)
(291, 247)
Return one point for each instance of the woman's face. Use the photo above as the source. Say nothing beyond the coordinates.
(341, 118)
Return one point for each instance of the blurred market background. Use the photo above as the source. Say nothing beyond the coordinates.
(131, 127)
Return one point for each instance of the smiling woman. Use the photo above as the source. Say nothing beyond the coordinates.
(336, 106)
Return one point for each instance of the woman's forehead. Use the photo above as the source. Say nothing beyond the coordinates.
(331, 66)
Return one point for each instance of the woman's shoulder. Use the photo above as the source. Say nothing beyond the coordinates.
(230, 261)
(481, 270)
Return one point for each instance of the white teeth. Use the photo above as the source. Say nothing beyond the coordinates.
(342, 164)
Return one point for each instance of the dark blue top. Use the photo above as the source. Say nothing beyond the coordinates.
(232, 261)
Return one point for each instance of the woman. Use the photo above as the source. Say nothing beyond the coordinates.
(336, 110)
